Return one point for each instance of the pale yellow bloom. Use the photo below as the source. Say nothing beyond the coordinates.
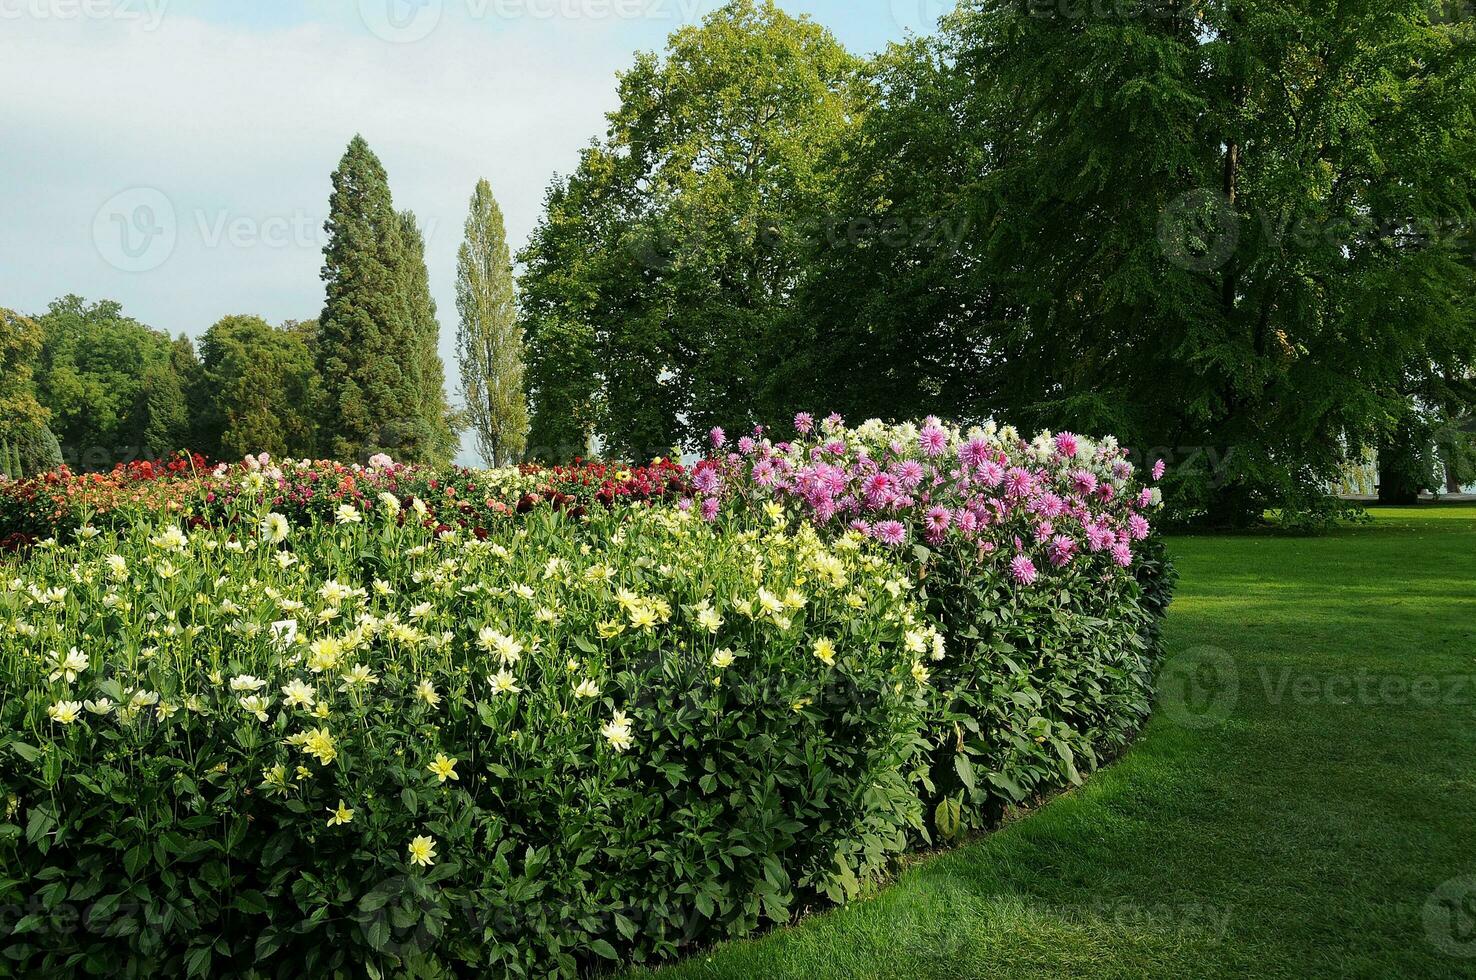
(587, 689)
(825, 651)
(617, 732)
(443, 768)
(299, 693)
(423, 851)
(65, 712)
(341, 815)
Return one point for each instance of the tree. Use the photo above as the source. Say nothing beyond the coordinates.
(439, 440)
(26, 444)
(489, 342)
(372, 337)
(262, 386)
(679, 241)
(1219, 229)
(109, 384)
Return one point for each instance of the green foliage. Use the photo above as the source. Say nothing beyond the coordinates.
(261, 386)
(1231, 226)
(192, 824)
(26, 444)
(375, 350)
(111, 384)
(489, 343)
(439, 439)
(673, 250)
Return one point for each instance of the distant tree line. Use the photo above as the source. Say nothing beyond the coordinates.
(87, 385)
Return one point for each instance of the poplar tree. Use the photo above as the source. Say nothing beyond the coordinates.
(489, 342)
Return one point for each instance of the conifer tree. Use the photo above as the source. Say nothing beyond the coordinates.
(368, 351)
(437, 438)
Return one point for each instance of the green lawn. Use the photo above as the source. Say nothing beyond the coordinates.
(1307, 786)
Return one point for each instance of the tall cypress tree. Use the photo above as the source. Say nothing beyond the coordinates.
(368, 352)
(489, 342)
(437, 437)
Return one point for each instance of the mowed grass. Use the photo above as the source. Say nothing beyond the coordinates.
(1294, 808)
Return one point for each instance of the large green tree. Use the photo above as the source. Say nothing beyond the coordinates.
(110, 385)
(489, 341)
(677, 244)
(1225, 230)
(373, 336)
(26, 443)
(262, 386)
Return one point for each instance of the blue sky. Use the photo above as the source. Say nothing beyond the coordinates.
(175, 155)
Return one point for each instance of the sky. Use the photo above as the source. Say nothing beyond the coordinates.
(175, 155)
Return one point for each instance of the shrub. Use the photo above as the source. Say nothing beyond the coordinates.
(405, 721)
(1033, 559)
(364, 746)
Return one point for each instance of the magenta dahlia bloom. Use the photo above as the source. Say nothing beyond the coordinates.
(1122, 553)
(1019, 481)
(706, 480)
(973, 453)
(968, 521)
(1138, 527)
(804, 423)
(991, 473)
(1145, 497)
(1067, 444)
(1083, 482)
(860, 525)
(710, 509)
(1158, 470)
(933, 441)
(1022, 569)
(746, 445)
(718, 436)
(1062, 550)
(890, 532)
(909, 473)
(938, 519)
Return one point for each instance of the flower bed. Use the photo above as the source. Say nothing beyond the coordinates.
(59, 503)
(1036, 560)
(306, 717)
(361, 743)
